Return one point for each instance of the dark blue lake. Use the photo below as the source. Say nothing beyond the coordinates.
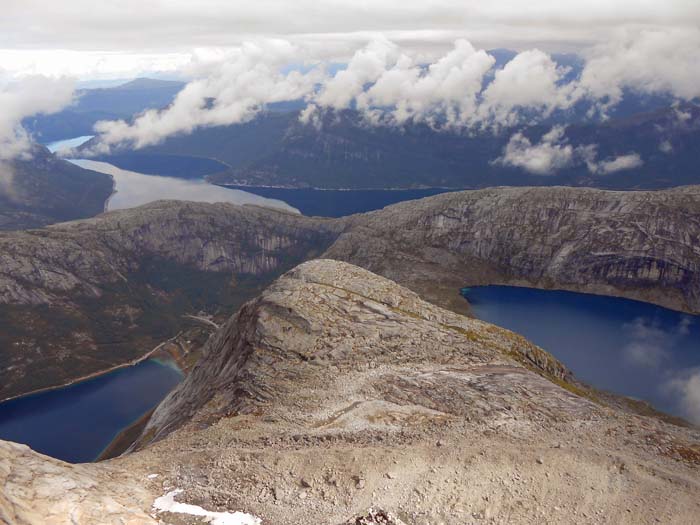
(77, 422)
(628, 347)
(338, 203)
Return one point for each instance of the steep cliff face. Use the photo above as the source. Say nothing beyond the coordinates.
(84, 296)
(641, 245)
(336, 391)
(69, 260)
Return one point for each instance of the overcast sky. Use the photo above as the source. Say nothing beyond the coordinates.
(407, 61)
(121, 37)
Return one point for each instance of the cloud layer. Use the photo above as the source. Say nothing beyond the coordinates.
(554, 153)
(181, 25)
(461, 89)
(232, 90)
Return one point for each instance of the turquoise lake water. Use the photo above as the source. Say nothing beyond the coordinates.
(77, 422)
(628, 347)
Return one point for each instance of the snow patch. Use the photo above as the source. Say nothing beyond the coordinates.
(167, 503)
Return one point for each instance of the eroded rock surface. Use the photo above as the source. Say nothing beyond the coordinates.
(338, 391)
(81, 297)
(35, 489)
(84, 296)
(639, 245)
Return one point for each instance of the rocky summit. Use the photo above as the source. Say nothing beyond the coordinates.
(338, 396)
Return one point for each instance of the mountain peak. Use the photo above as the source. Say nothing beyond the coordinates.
(148, 83)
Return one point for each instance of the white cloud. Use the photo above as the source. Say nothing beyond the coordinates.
(391, 84)
(446, 88)
(544, 158)
(530, 82)
(554, 153)
(7, 178)
(650, 61)
(232, 91)
(682, 116)
(366, 66)
(666, 147)
(620, 163)
(23, 98)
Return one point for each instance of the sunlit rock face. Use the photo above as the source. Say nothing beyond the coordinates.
(640, 245)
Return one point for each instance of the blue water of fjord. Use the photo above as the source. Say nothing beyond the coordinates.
(75, 423)
(628, 347)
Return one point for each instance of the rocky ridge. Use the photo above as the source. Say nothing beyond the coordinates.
(337, 391)
(84, 296)
(639, 245)
(129, 276)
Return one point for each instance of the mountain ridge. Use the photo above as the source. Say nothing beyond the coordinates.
(344, 151)
(336, 391)
(134, 273)
(41, 189)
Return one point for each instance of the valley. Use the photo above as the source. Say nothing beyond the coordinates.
(345, 151)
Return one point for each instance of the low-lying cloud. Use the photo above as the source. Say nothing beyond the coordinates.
(652, 61)
(235, 89)
(544, 158)
(620, 163)
(554, 153)
(23, 98)
(460, 90)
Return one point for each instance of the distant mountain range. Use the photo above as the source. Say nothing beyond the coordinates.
(276, 149)
(45, 189)
(92, 105)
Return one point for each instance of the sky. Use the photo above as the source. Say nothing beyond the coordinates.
(407, 61)
(124, 37)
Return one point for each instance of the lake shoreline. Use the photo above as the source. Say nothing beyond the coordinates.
(630, 350)
(94, 375)
(444, 189)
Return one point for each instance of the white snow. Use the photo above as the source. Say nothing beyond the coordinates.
(167, 503)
